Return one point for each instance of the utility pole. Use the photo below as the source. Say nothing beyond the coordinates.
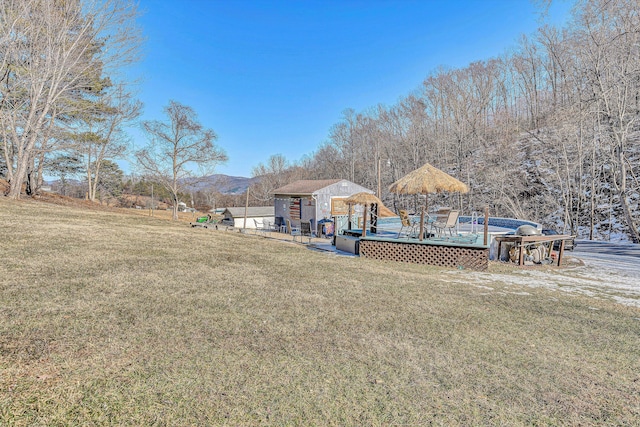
(246, 208)
(379, 159)
(379, 175)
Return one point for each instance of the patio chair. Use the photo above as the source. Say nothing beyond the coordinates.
(261, 226)
(280, 225)
(305, 230)
(448, 225)
(439, 217)
(294, 231)
(408, 225)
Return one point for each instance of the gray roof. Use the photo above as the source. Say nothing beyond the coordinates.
(305, 186)
(252, 211)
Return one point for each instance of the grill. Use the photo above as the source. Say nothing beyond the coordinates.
(527, 230)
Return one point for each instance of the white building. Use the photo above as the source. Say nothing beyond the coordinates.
(236, 216)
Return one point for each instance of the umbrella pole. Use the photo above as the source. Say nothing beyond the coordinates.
(364, 222)
(349, 218)
(486, 225)
(425, 209)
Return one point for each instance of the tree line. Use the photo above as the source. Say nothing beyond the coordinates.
(546, 132)
(62, 106)
(64, 103)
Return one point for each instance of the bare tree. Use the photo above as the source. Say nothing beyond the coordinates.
(608, 33)
(175, 148)
(52, 51)
(110, 140)
(271, 176)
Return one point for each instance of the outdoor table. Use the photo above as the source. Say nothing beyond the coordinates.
(523, 241)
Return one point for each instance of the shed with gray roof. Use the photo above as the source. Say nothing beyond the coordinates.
(236, 216)
(314, 200)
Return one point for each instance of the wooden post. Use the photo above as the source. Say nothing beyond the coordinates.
(560, 252)
(374, 217)
(364, 222)
(486, 226)
(246, 208)
(421, 223)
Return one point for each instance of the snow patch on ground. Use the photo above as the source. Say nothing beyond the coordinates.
(595, 279)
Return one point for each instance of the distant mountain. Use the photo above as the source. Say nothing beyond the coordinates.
(225, 184)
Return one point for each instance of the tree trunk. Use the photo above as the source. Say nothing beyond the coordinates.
(15, 187)
(633, 231)
(175, 207)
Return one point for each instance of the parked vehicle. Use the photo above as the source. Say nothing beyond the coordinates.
(569, 244)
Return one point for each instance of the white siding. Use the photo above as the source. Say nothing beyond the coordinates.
(239, 222)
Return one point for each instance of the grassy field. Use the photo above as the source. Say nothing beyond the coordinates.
(115, 319)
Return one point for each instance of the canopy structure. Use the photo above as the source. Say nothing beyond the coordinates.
(364, 199)
(427, 180)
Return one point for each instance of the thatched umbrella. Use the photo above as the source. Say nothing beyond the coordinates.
(365, 199)
(426, 180)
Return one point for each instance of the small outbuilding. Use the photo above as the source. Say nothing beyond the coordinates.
(236, 216)
(314, 200)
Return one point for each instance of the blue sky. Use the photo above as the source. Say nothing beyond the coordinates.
(272, 77)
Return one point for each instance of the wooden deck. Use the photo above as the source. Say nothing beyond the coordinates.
(443, 253)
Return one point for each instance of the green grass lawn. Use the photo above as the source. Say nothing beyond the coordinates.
(115, 319)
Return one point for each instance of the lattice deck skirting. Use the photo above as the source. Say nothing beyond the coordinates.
(474, 258)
